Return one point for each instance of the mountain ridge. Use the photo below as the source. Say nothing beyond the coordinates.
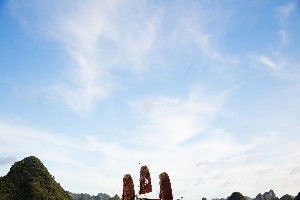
(100, 196)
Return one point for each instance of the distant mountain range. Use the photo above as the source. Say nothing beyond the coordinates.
(29, 179)
(266, 196)
(100, 196)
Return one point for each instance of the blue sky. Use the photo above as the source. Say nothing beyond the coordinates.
(207, 91)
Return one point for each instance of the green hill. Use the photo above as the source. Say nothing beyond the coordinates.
(236, 196)
(287, 197)
(29, 179)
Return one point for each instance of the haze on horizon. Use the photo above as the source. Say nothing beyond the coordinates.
(207, 91)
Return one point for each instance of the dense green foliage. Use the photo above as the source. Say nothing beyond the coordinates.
(287, 197)
(236, 196)
(29, 179)
(100, 196)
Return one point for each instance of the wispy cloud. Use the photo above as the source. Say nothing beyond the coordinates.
(189, 31)
(202, 163)
(8, 160)
(28, 95)
(169, 121)
(100, 38)
(99, 160)
(97, 38)
(291, 182)
(218, 176)
(282, 67)
(264, 171)
(285, 10)
(267, 61)
(252, 159)
(283, 36)
(229, 182)
(295, 170)
(200, 182)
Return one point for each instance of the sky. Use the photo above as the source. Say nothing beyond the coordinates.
(207, 91)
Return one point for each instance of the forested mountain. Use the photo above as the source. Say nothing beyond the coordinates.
(30, 179)
(236, 196)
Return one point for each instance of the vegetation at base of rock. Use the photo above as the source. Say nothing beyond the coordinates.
(30, 179)
(100, 196)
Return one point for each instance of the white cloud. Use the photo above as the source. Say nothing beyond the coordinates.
(169, 121)
(97, 40)
(100, 38)
(67, 153)
(229, 182)
(8, 160)
(285, 10)
(295, 170)
(282, 68)
(264, 171)
(176, 191)
(29, 95)
(200, 181)
(202, 163)
(218, 176)
(102, 164)
(267, 61)
(97, 37)
(283, 36)
(190, 30)
(252, 159)
(291, 182)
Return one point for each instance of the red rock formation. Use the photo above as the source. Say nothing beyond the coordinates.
(145, 180)
(128, 188)
(165, 187)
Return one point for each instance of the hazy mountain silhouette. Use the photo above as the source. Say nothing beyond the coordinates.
(266, 196)
(100, 196)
